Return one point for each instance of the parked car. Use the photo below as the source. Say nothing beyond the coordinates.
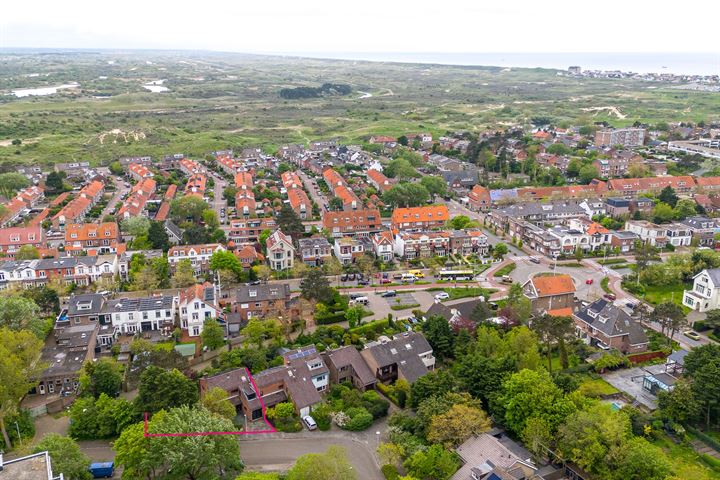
(363, 282)
(389, 293)
(442, 296)
(385, 280)
(589, 281)
(397, 276)
(309, 422)
(344, 278)
(417, 273)
(692, 334)
(610, 296)
(351, 276)
(534, 259)
(353, 296)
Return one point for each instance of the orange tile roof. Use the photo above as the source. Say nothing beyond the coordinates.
(297, 198)
(651, 183)
(432, 213)
(140, 170)
(707, 181)
(74, 209)
(92, 189)
(91, 231)
(480, 194)
(596, 228)
(60, 199)
(244, 179)
(248, 252)
(163, 212)
(561, 312)
(379, 178)
(346, 195)
(291, 180)
(354, 218)
(170, 192)
(572, 191)
(553, 285)
(333, 178)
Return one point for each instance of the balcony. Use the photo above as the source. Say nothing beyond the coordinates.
(428, 361)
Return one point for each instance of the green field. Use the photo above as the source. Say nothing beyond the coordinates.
(219, 101)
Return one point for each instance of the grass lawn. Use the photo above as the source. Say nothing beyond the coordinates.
(612, 261)
(685, 461)
(404, 307)
(666, 293)
(599, 386)
(167, 346)
(604, 285)
(505, 270)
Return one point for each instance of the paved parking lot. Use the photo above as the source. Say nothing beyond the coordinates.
(401, 299)
(630, 381)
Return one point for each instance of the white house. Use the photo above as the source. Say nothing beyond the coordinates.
(280, 251)
(195, 305)
(383, 245)
(199, 255)
(705, 294)
(132, 315)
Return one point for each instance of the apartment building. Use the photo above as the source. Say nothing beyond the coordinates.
(91, 238)
(13, 239)
(132, 315)
(199, 256)
(410, 245)
(420, 218)
(362, 222)
(627, 137)
(195, 305)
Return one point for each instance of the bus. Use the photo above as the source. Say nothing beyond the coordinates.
(455, 275)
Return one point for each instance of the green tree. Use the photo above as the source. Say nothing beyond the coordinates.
(573, 168)
(158, 237)
(216, 401)
(588, 173)
(331, 465)
(663, 213)
(17, 312)
(401, 169)
(439, 334)
(11, 182)
(138, 455)
(19, 370)
(435, 463)
(481, 375)
(27, 252)
(213, 335)
(188, 207)
(668, 196)
(518, 306)
(684, 208)
(434, 185)
(315, 286)
(554, 330)
(679, 404)
(136, 226)
(587, 436)
(290, 223)
(67, 458)
(457, 425)
(434, 383)
(146, 279)
(227, 261)
(354, 315)
(637, 459)
(164, 389)
(402, 140)
(184, 275)
(45, 298)
(500, 250)
(54, 182)
(101, 376)
(116, 169)
(461, 222)
(537, 437)
(670, 316)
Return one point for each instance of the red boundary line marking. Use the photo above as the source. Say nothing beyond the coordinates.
(203, 434)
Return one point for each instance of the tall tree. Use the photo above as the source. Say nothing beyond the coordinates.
(315, 286)
(136, 226)
(11, 182)
(638, 459)
(668, 196)
(226, 260)
(19, 370)
(457, 425)
(27, 252)
(186, 208)
(164, 389)
(439, 334)
(518, 304)
(17, 312)
(184, 275)
(213, 335)
(216, 401)
(101, 376)
(331, 465)
(434, 185)
(554, 330)
(290, 223)
(54, 182)
(670, 316)
(158, 237)
(67, 458)
(434, 463)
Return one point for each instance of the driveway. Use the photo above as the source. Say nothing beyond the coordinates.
(630, 381)
(315, 194)
(280, 454)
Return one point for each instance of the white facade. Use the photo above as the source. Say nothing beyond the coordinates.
(193, 313)
(142, 314)
(705, 294)
(199, 255)
(280, 251)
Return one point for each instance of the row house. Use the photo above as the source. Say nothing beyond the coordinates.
(598, 188)
(280, 251)
(65, 353)
(229, 165)
(627, 137)
(677, 234)
(420, 218)
(191, 167)
(145, 161)
(333, 178)
(536, 238)
(314, 251)
(91, 238)
(14, 238)
(410, 245)
(378, 180)
(291, 180)
(268, 300)
(468, 242)
(15, 209)
(196, 185)
(703, 230)
(709, 203)
(348, 249)
(195, 305)
(708, 184)
(598, 235)
(571, 239)
(164, 210)
(79, 206)
(632, 187)
(134, 204)
(81, 270)
(245, 203)
(362, 222)
(538, 213)
(383, 245)
(349, 200)
(138, 171)
(248, 230)
(134, 315)
(602, 324)
(479, 199)
(199, 256)
(618, 164)
(300, 203)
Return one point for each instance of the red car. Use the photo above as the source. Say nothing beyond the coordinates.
(589, 281)
(610, 296)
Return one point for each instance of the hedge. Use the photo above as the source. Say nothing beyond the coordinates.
(376, 326)
(704, 437)
(390, 472)
(332, 318)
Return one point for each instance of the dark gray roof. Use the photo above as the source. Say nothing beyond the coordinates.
(464, 308)
(173, 229)
(624, 234)
(404, 350)
(65, 262)
(466, 178)
(699, 222)
(522, 210)
(139, 304)
(313, 242)
(349, 356)
(612, 321)
(678, 356)
(714, 274)
(618, 202)
(259, 293)
(94, 302)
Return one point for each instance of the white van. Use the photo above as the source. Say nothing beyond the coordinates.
(359, 300)
(408, 277)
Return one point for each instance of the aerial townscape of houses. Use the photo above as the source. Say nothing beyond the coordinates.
(338, 193)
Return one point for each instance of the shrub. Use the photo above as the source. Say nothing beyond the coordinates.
(378, 407)
(390, 472)
(359, 419)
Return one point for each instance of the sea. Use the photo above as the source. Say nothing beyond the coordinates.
(688, 63)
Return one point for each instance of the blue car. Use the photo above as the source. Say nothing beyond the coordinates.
(102, 469)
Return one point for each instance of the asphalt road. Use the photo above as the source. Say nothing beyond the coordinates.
(315, 194)
(120, 192)
(456, 209)
(281, 453)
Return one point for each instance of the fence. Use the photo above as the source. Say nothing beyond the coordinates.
(646, 356)
(205, 356)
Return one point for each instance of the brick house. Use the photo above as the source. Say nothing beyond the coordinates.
(264, 300)
(548, 293)
(345, 364)
(98, 238)
(199, 256)
(406, 355)
(362, 222)
(13, 238)
(420, 218)
(605, 325)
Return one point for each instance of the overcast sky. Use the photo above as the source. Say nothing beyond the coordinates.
(296, 26)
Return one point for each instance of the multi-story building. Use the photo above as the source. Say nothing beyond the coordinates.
(623, 240)
(602, 324)
(678, 234)
(199, 256)
(383, 244)
(363, 222)
(14, 238)
(138, 171)
(300, 203)
(248, 230)
(705, 294)
(406, 355)
(349, 200)
(265, 300)
(550, 293)
(196, 185)
(420, 218)
(65, 353)
(315, 251)
(333, 178)
(291, 180)
(479, 199)
(79, 206)
(195, 305)
(378, 180)
(534, 237)
(627, 137)
(468, 242)
(632, 187)
(648, 232)
(345, 364)
(280, 251)
(133, 315)
(410, 245)
(348, 249)
(703, 230)
(91, 238)
(190, 167)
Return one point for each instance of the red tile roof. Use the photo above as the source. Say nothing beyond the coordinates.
(433, 213)
(333, 178)
(553, 285)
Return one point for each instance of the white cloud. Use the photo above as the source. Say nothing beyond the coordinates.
(363, 26)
